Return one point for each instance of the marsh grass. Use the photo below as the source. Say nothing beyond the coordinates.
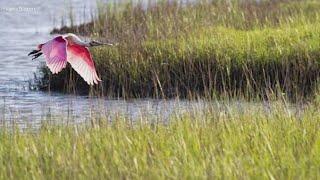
(253, 144)
(206, 48)
(214, 49)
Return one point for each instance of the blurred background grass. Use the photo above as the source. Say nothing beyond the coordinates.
(250, 49)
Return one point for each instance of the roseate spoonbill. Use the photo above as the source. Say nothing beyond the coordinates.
(69, 48)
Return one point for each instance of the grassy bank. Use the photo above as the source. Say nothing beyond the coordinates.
(252, 144)
(232, 48)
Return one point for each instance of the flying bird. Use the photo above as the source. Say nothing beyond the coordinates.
(69, 48)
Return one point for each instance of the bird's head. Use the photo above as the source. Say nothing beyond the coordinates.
(96, 43)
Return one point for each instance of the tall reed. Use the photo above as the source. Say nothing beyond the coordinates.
(253, 144)
(205, 48)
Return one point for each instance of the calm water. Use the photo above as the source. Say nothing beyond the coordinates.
(26, 23)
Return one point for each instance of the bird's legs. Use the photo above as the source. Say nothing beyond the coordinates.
(35, 54)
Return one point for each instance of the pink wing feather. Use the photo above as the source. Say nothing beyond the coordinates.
(55, 53)
(81, 61)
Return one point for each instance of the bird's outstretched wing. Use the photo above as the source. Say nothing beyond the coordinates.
(55, 53)
(81, 61)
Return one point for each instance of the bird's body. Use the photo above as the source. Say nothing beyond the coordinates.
(69, 48)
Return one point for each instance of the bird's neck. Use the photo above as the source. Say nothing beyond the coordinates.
(78, 41)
